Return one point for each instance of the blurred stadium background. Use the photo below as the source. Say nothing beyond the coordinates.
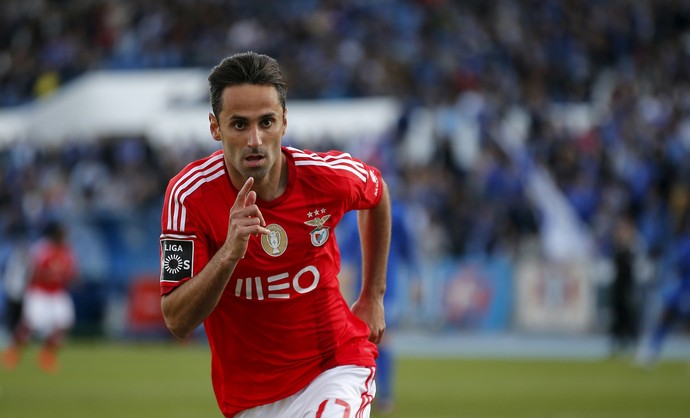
(513, 133)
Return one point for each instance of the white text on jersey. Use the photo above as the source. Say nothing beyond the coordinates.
(278, 286)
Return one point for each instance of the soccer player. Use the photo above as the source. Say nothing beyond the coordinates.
(48, 310)
(247, 248)
(676, 300)
(401, 258)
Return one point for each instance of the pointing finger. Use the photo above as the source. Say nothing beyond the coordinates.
(249, 201)
(241, 200)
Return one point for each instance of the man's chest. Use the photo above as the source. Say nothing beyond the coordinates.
(297, 227)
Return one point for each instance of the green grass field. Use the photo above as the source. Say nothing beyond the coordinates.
(159, 380)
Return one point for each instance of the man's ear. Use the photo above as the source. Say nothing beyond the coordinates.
(285, 120)
(214, 127)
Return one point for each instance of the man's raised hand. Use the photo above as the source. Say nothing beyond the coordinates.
(245, 220)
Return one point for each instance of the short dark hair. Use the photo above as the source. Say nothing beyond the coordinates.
(245, 68)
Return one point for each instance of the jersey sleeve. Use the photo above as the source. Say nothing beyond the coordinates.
(366, 187)
(359, 184)
(183, 249)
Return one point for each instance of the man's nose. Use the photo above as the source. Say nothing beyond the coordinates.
(254, 139)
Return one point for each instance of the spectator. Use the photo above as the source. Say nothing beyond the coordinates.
(624, 297)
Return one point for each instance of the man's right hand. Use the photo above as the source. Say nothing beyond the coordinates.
(245, 220)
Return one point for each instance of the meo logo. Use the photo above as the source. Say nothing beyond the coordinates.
(278, 286)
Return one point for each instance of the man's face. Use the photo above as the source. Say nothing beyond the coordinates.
(250, 127)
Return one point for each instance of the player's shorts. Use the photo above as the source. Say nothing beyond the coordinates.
(46, 312)
(341, 392)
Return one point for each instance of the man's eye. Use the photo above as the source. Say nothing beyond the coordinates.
(238, 125)
(267, 123)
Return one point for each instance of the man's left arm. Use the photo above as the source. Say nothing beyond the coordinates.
(375, 236)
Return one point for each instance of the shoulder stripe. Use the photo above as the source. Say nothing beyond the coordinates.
(190, 181)
(313, 156)
(336, 161)
(183, 216)
(357, 172)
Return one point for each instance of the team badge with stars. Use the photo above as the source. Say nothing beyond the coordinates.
(320, 233)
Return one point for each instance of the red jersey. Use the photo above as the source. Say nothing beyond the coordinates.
(281, 320)
(53, 266)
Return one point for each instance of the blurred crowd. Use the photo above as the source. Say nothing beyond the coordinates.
(628, 62)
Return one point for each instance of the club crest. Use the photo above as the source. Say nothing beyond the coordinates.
(320, 233)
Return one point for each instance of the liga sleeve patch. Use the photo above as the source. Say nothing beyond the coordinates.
(177, 259)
